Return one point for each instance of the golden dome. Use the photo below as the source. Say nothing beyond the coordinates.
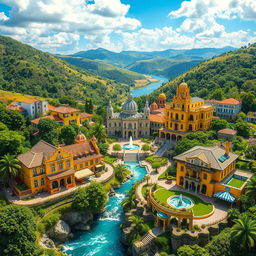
(162, 96)
(80, 138)
(183, 85)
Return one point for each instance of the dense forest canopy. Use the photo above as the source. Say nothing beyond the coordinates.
(27, 70)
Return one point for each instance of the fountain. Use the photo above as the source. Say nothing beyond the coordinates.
(180, 201)
(130, 146)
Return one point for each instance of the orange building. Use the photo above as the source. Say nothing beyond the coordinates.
(46, 168)
(185, 114)
(211, 172)
(53, 169)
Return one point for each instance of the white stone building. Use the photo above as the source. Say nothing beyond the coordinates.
(129, 122)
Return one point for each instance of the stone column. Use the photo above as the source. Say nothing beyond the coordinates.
(179, 222)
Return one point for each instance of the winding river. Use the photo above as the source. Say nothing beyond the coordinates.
(150, 87)
(103, 239)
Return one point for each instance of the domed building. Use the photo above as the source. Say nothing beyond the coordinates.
(161, 101)
(128, 123)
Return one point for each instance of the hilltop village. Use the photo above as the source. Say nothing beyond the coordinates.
(195, 160)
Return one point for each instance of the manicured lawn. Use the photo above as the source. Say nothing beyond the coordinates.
(147, 140)
(111, 140)
(200, 207)
(110, 159)
(236, 183)
(157, 159)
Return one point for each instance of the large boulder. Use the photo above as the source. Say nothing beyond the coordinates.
(60, 232)
(46, 242)
(74, 218)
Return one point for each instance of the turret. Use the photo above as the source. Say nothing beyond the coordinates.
(110, 110)
(146, 110)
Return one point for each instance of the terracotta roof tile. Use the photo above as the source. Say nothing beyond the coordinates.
(230, 101)
(65, 110)
(85, 115)
(53, 117)
(228, 131)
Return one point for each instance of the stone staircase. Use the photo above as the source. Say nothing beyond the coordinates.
(163, 148)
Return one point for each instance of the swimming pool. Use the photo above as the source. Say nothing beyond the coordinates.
(236, 181)
(104, 237)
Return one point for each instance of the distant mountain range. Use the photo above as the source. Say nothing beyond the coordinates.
(168, 63)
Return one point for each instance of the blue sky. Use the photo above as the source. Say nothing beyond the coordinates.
(66, 26)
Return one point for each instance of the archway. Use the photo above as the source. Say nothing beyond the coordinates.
(204, 189)
(181, 181)
(62, 183)
(186, 185)
(198, 188)
(129, 134)
(162, 135)
(55, 184)
(168, 136)
(69, 180)
(174, 137)
(179, 138)
(193, 187)
(190, 127)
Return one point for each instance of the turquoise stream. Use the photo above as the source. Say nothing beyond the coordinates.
(104, 237)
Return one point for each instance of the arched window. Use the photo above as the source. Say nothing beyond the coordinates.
(55, 184)
(69, 180)
(177, 117)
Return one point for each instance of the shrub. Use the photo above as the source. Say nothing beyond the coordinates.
(145, 147)
(48, 222)
(117, 147)
(163, 243)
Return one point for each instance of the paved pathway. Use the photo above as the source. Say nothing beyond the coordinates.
(221, 208)
(44, 196)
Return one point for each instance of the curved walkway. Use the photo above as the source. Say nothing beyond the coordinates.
(45, 197)
(221, 208)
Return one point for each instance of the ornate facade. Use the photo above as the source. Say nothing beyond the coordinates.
(185, 114)
(129, 122)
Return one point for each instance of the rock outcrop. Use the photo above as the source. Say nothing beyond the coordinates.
(46, 242)
(60, 232)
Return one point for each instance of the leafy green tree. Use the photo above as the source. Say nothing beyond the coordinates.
(68, 100)
(217, 94)
(249, 102)
(251, 188)
(17, 231)
(219, 124)
(246, 202)
(244, 232)
(137, 221)
(184, 145)
(156, 166)
(67, 135)
(192, 250)
(241, 116)
(130, 201)
(243, 129)
(11, 118)
(91, 198)
(3, 127)
(9, 167)
(117, 147)
(99, 132)
(121, 172)
(239, 143)
(250, 152)
(48, 130)
(11, 142)
(220, 245)
(103, 147)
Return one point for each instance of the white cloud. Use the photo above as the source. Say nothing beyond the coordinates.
(58, 18)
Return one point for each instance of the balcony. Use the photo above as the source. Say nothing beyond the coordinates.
(192, 178)
(197, 168)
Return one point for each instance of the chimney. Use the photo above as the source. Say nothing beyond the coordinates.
(227, 147)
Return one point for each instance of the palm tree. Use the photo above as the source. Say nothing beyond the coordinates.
(99, 132)
(121, 172)
(244, 232)
(137, 221)
(9, 167)
(251, 188)
(129, 202)
(233, 214)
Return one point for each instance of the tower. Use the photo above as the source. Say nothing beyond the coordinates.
(110, 110)
(146, 110)
(161, 101)
(182, 98)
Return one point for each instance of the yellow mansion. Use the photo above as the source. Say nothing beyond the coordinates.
(185, 114)
(53, 169)
(211, 171)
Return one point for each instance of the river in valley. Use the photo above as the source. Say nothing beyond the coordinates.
(150, 87)
(103, 239)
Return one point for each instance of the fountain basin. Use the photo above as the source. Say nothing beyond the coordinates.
(130, 147)
(180, 202)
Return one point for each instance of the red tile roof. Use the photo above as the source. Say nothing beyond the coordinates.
(14, 106)
(65, 110)
(230, 101)
(85, 115)
(228, 131)
(53, 117)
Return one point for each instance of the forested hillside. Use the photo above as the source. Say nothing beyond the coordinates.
(103, 69)
(231, 74)
(27, 70)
